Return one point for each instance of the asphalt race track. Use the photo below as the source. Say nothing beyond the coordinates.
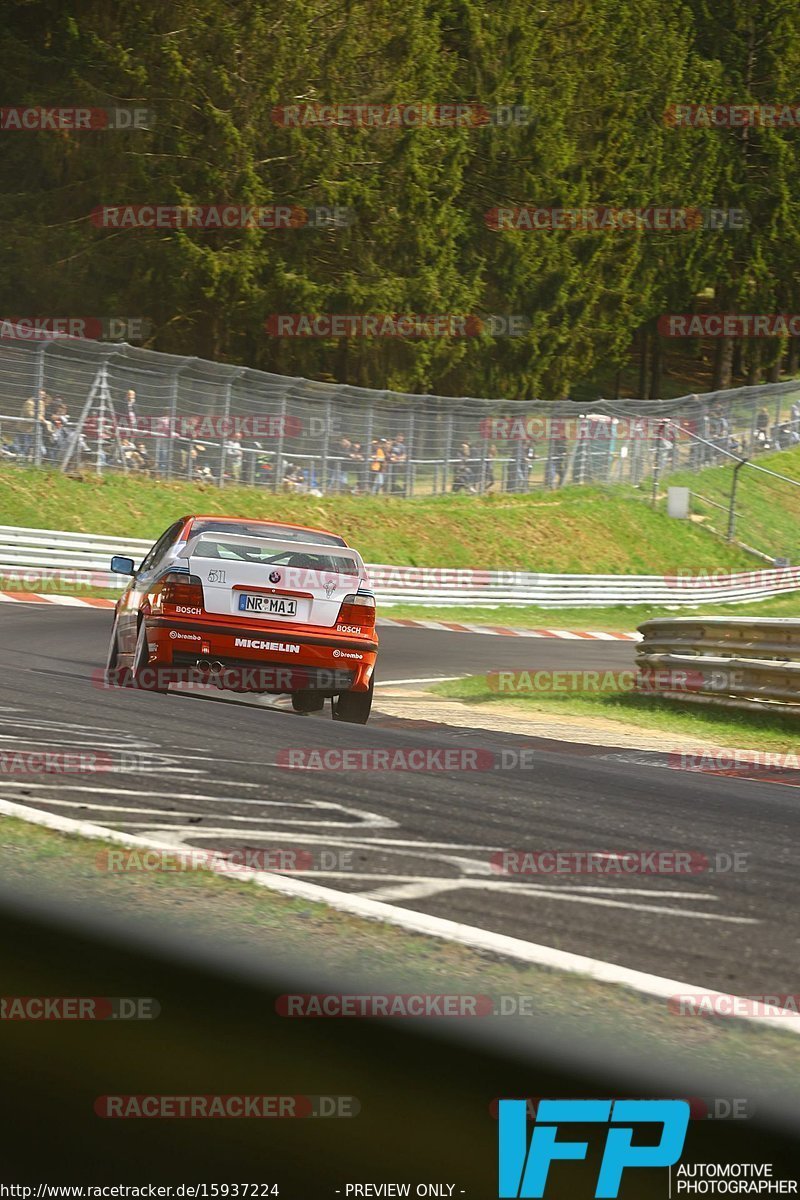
(208, 777)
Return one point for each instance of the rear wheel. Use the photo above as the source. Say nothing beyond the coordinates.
(144, 676)
(308, 701)
(115, 675)
(354, 707)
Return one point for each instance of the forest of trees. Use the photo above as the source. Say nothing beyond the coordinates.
(597, 78)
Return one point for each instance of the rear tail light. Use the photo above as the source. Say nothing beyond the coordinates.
(177, 589)
(357, 610)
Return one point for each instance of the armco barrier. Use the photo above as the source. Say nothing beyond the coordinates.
(733, 662)
(29, 553)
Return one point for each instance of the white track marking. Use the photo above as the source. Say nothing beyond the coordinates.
(145, 812)
(413, 891)
(361, 818)
(69, 601)
(440, 927)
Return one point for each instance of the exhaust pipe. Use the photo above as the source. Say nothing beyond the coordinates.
(203, 664)
(216, 668)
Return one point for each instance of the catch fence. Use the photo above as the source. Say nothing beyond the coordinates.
(64, 404)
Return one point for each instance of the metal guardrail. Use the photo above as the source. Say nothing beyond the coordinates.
(83, 558)
(734, 662)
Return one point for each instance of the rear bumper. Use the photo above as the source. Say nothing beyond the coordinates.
(263, 660)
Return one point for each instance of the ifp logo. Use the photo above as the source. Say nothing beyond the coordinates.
(523, 1171)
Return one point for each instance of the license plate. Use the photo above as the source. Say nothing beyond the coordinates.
(269, 606)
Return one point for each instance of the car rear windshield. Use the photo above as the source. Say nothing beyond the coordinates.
(283, 533)
(260, 552)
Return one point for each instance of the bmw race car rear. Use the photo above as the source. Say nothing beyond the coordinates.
(257, 614)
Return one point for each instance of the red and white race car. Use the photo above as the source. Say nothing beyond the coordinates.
(250, 606)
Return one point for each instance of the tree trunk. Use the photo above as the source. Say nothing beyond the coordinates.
(723, 362)
(754, 364)
(342, 361)
(655, 367)
(644, 363)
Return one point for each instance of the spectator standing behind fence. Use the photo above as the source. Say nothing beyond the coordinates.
(377, 465)
(462, 476)
(293, 480)
(129, 412)
(163, 433)
(487, 469)
(338, 472)
(60, 433)
(557, 462)
(356, 456)
(233, 456)
(398, 458)
(794, 417)
(34, 409)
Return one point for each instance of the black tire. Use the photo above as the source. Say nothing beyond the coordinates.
(115, 675)
(354, 707)
(307, 701)
(142, 675)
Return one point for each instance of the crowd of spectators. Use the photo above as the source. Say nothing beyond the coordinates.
(43, 432)
(379, 467)
(114, 436)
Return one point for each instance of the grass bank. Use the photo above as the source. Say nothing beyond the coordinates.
(691, 723)
(579, 530)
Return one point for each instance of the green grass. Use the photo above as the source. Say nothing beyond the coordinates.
(579, 530)
(769, 509)
(282, 930)
(726, 728)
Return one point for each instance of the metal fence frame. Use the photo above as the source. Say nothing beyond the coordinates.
(448, 444)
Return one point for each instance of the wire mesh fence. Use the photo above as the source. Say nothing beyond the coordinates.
(70, 403)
